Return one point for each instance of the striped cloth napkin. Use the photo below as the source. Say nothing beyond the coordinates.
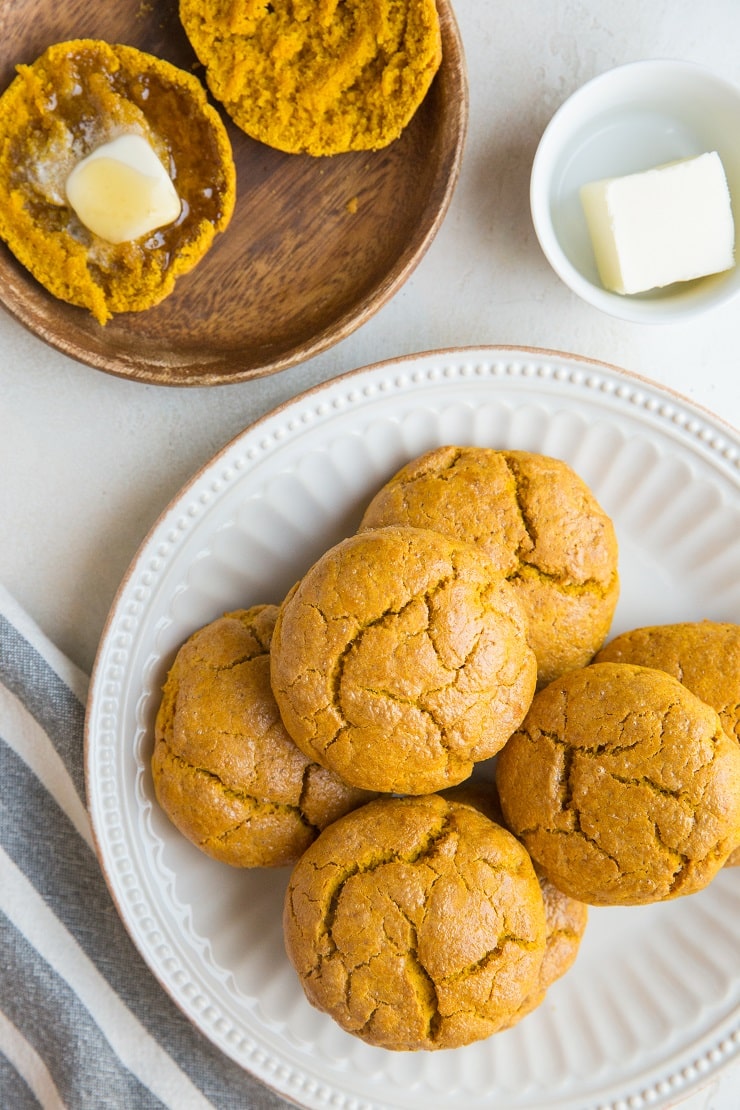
(83, 1023)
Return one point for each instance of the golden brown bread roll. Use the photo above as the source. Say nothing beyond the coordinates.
(622, 785)
(538, 521)
(703, 655)
(400, 660)
(225, 770)
(416, 923)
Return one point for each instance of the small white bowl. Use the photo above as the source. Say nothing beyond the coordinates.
(627, 120)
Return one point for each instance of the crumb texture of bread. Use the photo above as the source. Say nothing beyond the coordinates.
(622, 785)
(416, 924)
(225, 771)
(75, 97)
(320, 77)
(537, 520)
(400, 660)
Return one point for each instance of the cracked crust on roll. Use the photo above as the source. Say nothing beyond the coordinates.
(541, 525)
(565, 918)
(225, 771)
(622, 785)
(416, 923)
(703, 655)
(401, 659)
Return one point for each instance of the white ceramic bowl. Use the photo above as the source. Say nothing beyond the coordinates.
(627, 120)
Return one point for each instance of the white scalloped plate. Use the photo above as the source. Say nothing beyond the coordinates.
(650, 1008)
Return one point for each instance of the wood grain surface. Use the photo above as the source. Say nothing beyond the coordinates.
(315, 247)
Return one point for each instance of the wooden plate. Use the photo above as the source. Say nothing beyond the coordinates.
(315, 246)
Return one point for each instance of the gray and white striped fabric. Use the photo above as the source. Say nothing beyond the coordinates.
(83, 1023)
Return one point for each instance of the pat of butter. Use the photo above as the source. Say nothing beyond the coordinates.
(122, 191)
(672, 223)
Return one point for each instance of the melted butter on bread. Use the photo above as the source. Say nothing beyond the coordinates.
(122, 191)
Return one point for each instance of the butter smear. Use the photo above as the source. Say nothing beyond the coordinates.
(668, 224)
(122, 191)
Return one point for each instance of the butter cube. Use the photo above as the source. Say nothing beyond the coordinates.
(672, 223)
(122, 191)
